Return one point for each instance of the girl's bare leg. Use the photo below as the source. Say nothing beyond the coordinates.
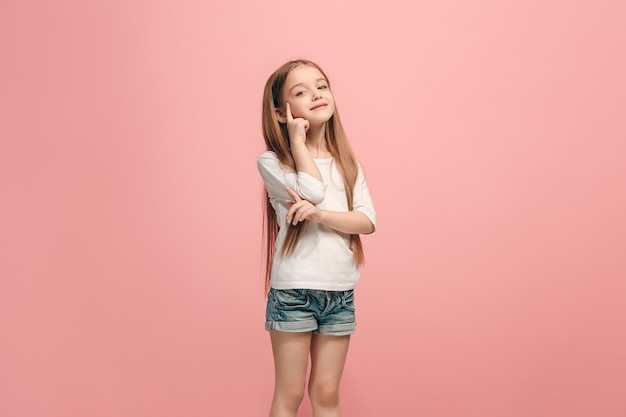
(328, 357)
(291, 356)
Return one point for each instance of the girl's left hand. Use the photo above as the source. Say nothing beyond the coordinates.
(301, 210)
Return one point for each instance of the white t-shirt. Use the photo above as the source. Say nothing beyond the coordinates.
(322, 259)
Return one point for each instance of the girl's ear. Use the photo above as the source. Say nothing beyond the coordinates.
(280, 115)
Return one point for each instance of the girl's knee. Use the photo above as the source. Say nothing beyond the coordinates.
(290, 397)
(324, 394)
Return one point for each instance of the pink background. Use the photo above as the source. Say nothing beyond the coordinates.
(494, 141)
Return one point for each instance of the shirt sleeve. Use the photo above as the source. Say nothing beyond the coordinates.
(276, 178)
(362, 200)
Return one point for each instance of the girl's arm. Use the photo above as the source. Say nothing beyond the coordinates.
(276, 178)
(303, 159)
(297, 129)
(350, 222)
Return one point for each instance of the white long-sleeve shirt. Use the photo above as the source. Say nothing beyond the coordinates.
(322, 259)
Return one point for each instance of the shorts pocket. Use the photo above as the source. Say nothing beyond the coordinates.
(291, 299)
(348, 300)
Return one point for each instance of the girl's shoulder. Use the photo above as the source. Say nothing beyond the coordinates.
(267, 157)
(268, 160)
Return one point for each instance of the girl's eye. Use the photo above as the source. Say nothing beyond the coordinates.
(299, 93)
(322, 87)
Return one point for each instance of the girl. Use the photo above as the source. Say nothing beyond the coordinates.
(317, 205)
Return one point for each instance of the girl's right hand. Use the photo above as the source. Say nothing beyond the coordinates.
(301, 210)
(297, 127)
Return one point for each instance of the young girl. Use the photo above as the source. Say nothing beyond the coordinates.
(317, 205)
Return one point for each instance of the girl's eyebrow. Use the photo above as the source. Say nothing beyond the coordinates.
(299, 84)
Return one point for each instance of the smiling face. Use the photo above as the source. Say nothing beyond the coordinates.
(307, 92)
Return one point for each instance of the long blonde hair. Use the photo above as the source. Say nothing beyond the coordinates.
(277, 140)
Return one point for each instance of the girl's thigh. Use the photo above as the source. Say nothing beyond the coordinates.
(328, 357)
(291, 356)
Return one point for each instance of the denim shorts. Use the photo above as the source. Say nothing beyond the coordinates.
(317, 311)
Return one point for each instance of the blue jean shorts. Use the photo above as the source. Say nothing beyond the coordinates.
(317, 311)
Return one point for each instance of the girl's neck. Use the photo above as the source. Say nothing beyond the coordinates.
(316, 142)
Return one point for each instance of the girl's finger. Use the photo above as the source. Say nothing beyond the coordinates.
(294, 219)
(305, 212)
(293, 194)
(292, 210)
(288, 112)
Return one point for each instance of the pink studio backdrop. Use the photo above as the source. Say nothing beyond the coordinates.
(493, 138)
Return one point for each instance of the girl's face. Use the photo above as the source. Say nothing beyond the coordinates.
(307, 92)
